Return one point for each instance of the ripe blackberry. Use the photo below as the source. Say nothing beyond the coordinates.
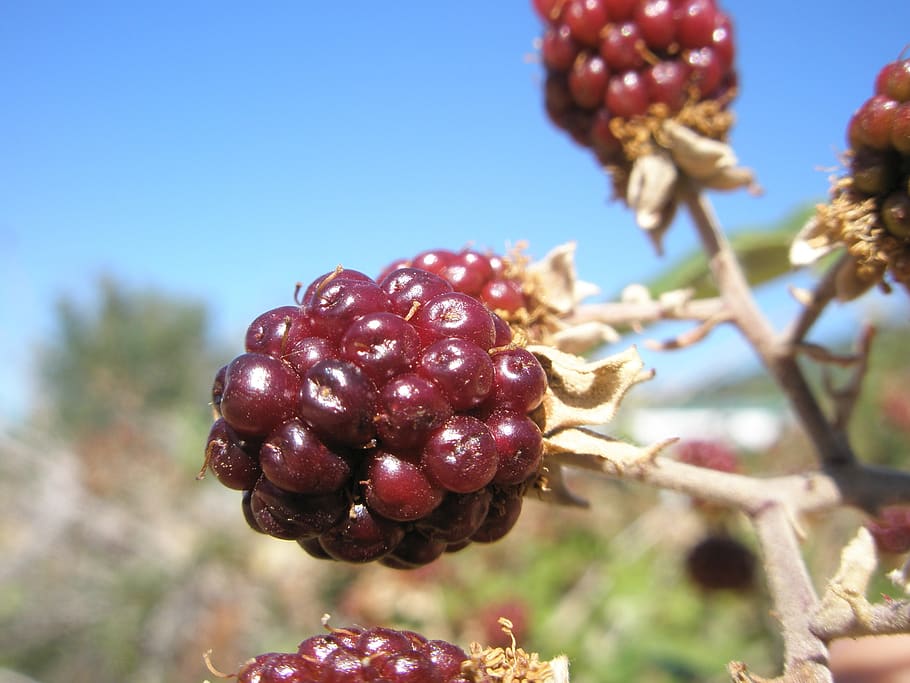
(506, 285)
(358, 655)
(719, 562)
(382, 420)
(493, 279)
(711, 454)
(365, 655)
(869, 211)
(627, 65)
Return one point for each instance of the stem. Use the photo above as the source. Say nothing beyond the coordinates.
(791, 588)
(821, 297)
(621, 313)
(832, 445)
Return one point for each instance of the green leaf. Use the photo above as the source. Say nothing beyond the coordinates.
(763, 253)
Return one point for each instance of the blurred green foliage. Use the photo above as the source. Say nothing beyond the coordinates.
(762, 251)
(129, 352)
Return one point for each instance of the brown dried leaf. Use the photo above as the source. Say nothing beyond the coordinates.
(582, 392)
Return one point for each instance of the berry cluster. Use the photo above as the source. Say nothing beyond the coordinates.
(357, 655)
(879, 137)
(380, 420)
(611, 61)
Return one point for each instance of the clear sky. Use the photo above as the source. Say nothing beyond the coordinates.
(222, 151)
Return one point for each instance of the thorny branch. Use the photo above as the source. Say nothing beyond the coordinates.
(831, 444)
(773, 504)
(790, 586)
(620, 313)
(814, 306)
(844, 611)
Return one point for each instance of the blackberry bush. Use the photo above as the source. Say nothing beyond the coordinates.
(381, 420)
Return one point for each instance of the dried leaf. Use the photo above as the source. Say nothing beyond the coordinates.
(582, 392)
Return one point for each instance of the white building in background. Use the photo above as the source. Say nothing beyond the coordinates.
(749, 428)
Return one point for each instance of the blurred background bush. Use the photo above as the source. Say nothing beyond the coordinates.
(117, 564)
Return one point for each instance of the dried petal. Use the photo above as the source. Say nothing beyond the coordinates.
(651, 189)
(811, 244)
(556, 284)
(852, 281)
(584, 336)
(705, 159)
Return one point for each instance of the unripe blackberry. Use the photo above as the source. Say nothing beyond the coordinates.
(869, 212)
(379, 420)
(720, 562)
(628, 64)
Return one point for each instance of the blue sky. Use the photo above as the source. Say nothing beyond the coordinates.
(222, 151)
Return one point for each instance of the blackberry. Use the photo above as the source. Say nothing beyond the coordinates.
(626, 65)
(891, 529)
(719, 562)
(534, 301)
(496, 281)
(382, 420)
(711, 454)
(358, 655)
(504, 284)
(362, 655)
(869, 210)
